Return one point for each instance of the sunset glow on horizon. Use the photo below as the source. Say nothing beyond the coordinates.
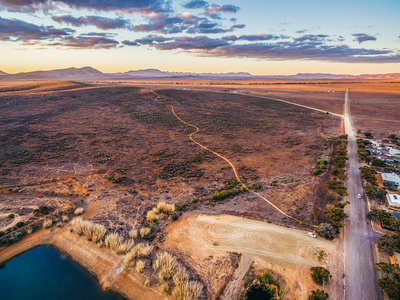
(261, 37)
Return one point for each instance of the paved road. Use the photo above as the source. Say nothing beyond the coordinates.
(359, 245)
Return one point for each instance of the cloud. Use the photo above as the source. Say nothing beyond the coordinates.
(214, 10)
(186, 22)
(86, 41)
(127, 6)
(363, 37)
(195, 4)
(261, 37)
(99, 22)
(310, 48)
(312, 38)
(18, 30)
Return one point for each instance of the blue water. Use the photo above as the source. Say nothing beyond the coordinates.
(45, 273)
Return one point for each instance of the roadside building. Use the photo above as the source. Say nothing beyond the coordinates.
(391, 179)
(394, 152)
(396, 259)
(393, 200)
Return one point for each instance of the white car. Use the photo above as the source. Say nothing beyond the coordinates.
(359, 196)
(312, 235)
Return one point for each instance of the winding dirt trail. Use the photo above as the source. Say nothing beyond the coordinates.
(17, 218)
(227, 160)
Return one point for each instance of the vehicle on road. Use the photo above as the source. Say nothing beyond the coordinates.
(311, 235)
(359, 196)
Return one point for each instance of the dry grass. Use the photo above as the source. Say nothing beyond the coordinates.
(181, 275)
(78, 211)
(165, 265)
(145, 232)
(164, 288)
(125, 247)
(190, 290)
(133, 234)
(47, 223)
(141, 250)
(151, 216)
(140, 266)
(113, 241)
(91, 231)
(166, 208)
(28, 230)
(65, 219)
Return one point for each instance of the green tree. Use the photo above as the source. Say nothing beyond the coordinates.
(320, 275)
(318, 295)
(390, 283)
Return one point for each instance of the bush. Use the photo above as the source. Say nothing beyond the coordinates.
(47, 223)
(133, 233)
(141, 250)
(78, 211)
(113, 241)
(224, 194)
(165, 265)
(164, 288)
(16, 236)
(181, 275)
(20, 224)
(368, 134)
(190, 290)
(320, 275)
(180, 207)
(11, 216)
(151, 216)
(28, 230)
(318, 295)
(65, 219)
(145, 232)
(166, 208)
(139, 266)
(125, 247)
(258, 186)
(327, 230)
(174, 217)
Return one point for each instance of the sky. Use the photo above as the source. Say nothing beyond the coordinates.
(262, 37)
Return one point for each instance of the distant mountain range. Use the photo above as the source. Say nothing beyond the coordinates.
(89, 73)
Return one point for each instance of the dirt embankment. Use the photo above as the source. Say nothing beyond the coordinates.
(98, 261)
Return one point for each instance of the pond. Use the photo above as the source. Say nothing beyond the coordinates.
(45, 273)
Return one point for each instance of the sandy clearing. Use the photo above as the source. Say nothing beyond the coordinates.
(290, 252)
(17, 218)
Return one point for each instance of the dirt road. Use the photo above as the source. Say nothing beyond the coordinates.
(290, 252)
(359, 244)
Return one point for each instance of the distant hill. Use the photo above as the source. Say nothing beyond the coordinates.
(90, 73)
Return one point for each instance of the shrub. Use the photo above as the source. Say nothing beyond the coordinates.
(180, 207)
(272, 183)
(320, 275)
(78, 211)
(190, 290)
(166, 208)
(98, 232)
(165, 265)
(20, 224)
(141, 250)
(164, 288)
(145, 232)
(327, 230)
(318, 295)
(181, 275)
(133, 233)
(125, 247)
(258, 186)
(65, 218)
(151, 216)
(16, 236)
(11, 216)
(47, 223)
(174, 217)
(28, 230)
(140, 266)
(113, 241)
